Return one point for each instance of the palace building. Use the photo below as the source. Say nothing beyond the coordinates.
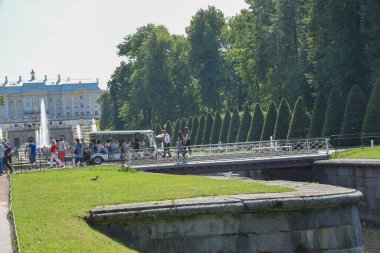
(68, 103)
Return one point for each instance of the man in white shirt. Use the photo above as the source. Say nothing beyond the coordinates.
(166, 144)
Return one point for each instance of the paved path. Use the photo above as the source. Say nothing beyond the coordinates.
(5, 230)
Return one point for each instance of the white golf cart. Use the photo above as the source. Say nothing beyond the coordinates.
(138, 143)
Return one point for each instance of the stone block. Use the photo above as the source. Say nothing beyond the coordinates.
(372, 182)
(264, 223)
(349, 181)
(359, 182)
(359, 172)
(209, 225)
(369, 172)
(376, 171)
(371, 204)
(279, 242)
(345, 171)
(378, 193)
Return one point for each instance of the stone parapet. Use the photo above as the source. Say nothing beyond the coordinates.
(314, 217)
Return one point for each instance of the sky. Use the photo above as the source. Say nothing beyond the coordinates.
(77, 38)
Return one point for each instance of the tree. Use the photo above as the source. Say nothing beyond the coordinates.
(157, 129)
(299, 125)
(334, 113)
(225, 127)
(353, 116)
(373, 37)
(318, 117)
(175, 132)
(245, 124)
(208, 128)
(234, 126)
(371, 124)
(201, 128)
(182, 125)
(270, 122)
(204, 36)
(190, 123)
(168, 127)
(216, 127)
(194, 128)
(106, 119)
(256, 124)
(282, 121)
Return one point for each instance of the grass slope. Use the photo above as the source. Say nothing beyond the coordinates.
(358, 153)
(50, 206)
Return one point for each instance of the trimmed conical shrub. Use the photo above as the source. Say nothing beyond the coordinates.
(157, 129)
(371, 124)
(257, 123)
(194, 129)
(225, 127)
(215, 132)
(334, 113)
(190, 123)
(183, 125)
(353, 117)
(299, 125)
(234, 126)
(282, 121)
(175, 132)
(201, 128)
(318, 117)
(270, 122)
(245, 125)
(208, 128)
(169, 128)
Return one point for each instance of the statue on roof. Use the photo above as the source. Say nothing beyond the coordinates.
(32, 73)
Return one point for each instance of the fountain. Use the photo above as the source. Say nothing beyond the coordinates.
(44, 128)
(79, 133)
(1, 135)
(93, 126)
(37, 137)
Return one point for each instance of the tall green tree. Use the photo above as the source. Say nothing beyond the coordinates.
(175, 132)
(354, 115)
(225, 127)
(183, 125)
(234, 126)
(194, 129)
(190, 123)
(157, 129)
(201, 128)
(208, 128)
(245, 124)
(168, 127)
(299, 125)
(204, 35)
(257, 124)
(371, 122)
(270, 122)
(282, 121)
(216, 127)
(318, 117)
(373, 37)
(334, 113)
(107, 113)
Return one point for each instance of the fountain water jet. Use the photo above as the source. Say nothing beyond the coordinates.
(1, 135)
(93, 126)
(37, 137)
(44, 128)
(79, 133)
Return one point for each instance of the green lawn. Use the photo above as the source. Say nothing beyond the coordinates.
(50, 206)
(358, 153)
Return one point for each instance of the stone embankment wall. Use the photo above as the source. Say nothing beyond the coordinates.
(314, 218)
(360, 174)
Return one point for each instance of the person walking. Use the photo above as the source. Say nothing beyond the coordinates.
(78, 153)
(187, 140)
(1, 159)
(166, 144)
(62, 149)
(8, 158)
(32, 151)
(53, 154)
(179, 145)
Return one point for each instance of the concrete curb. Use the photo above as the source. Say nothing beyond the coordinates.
(5, 226)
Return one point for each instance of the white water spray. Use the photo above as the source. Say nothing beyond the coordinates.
(44, 128)
(1, 135)
(79, 133)
(93, 126)
(37, 137)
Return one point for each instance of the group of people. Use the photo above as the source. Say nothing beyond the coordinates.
(58, 149)
(182, 144)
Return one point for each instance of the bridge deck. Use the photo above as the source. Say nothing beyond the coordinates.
(188, 166)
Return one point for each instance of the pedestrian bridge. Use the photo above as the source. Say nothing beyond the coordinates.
(201, 159)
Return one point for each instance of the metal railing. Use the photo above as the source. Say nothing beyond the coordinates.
(229, 151)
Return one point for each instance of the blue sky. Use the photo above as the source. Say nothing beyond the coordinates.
(78, 38)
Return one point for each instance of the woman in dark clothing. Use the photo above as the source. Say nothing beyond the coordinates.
(179, 145)
(8, 158)
(187, 140)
